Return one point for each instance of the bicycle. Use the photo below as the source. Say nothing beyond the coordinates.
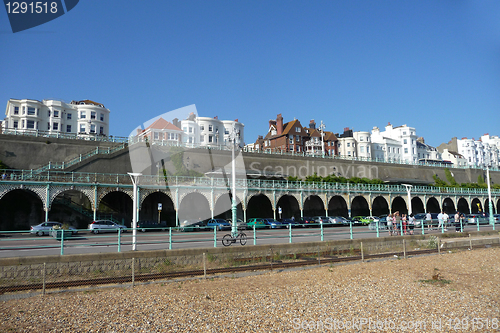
(229, 239)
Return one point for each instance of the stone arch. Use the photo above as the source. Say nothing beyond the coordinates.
(359, 206)
(432, 205)
(487, 205)
(118, 203)
(314, 206)
(289, 206)
(259, 205)
(223, 207)
(476, 206)
(380, 206)
(194, 206)
(449, 206)
(149, 208)
(399, 205)
(417, 206)
(337, 206)
(20, 208)
(463, 206)
(87, 191)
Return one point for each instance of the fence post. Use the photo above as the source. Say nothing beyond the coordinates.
(289, 233)
(362, 253)
(133, 271)
(215, 236)
(119, 240)
(204, 267)
(404, 248)
(350, 228)
(62, 240)
(422, 225)
(254, 236)
(43, 277)
(170, 238)
(378, 229)
(477, 223)
(322, 233)
(470, 242)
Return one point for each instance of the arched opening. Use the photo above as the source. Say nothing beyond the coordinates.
(20, 209)
(223, 208)
(433, 206)
(417, 206)
(259, 206)
(194, 207)
(313, 206)
(359, 207)
(72, 207)
(149, 209)
(399, 205)
(476, 206)
(463, 206)
(289, 207)
(380, 206)
(487, 205)
(118, 205)
(337, 207)
(449, 206)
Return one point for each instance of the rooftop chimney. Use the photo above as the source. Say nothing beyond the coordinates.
(279, 124)
(312, 124)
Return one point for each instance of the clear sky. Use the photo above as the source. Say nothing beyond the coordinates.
(433, 65)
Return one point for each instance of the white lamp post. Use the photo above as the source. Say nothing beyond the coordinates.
(234, 137)
(135, 181)
(408, 191)
(490, 204)
(322, 128)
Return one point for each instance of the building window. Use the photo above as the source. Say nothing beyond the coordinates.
(291, 139)
(48, 126)
(348, 144)
(24, 109)
(101, 130)
(406, 150)
(210, 138)
(55, 126)
(190, 129)
(202, 138)
(31, 111)
(202, 127)
(405, 141)
(68, 128)
(156, 136)
(404, 133)
(30, 124)
(82, 128)
(368, 150)
(226, 131)
(16, 124)
(102, 116)
(92, 115)
(210, 128)
(361, 149)
(184, 129)
(361, 138)
(16, 109)
(83, 115)
(92, 128)
(56, 114)
(297, 129)
(68, 116)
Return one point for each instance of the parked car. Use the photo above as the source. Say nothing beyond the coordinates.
(240, 224)
(273, 224)
(475, 218)
(381, 224)
(150, 225)
(106, 226)
(327, 221)
(258, 222)
(338, 220)
(193, 225)
(45, 228)
(289, 222)
(307, 221)
(219, 224)
(422, 217)
(361, 220)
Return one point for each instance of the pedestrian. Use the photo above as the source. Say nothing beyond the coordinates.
(428, 219)
(445, 221)
(389, 224)
(404, 219)
(396, 222)
(4, 176)
(440, 219)
(411, 223)
(457, 222)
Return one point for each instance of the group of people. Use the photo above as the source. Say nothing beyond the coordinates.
(443, 218)
(400, 224)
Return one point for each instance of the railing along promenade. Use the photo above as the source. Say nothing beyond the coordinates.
(29, 176)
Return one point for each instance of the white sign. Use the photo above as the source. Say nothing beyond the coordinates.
(159, 206)
(279, 210)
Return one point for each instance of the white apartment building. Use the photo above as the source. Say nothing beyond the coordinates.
(401, 138)
(215, 132)
(480, 153)
(363, 144)
(453, 157)
(83, 118)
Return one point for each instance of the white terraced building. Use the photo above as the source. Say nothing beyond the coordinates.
(83, 118)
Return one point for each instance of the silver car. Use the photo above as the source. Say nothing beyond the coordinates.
(45, 228)
(106, 226)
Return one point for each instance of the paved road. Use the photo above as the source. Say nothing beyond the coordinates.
(24, 244)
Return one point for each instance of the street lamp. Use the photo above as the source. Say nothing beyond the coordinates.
(135, 181)
(322, 128)
(233, 137)
(408, 190)
(490, 204)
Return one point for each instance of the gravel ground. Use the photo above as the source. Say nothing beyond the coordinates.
(454, 292)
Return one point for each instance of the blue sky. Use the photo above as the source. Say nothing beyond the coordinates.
(433, 65)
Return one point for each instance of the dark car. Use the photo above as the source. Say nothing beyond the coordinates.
(307, 221)
(325, 220)
(289, 222)
(193, 225)
(150, 225)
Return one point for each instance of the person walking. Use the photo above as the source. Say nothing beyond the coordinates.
(396, 222)
(440, 220)
(411, 223)
(457, 222)
(445, 221)
(404, 219)
(389, 224)
(428, 219)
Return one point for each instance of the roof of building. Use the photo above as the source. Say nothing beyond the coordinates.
(161, 123)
